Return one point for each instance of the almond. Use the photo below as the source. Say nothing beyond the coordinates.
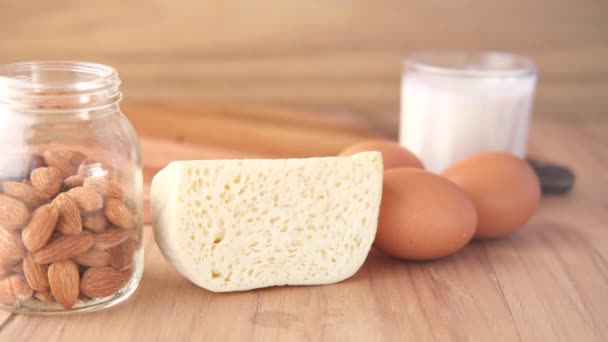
(35, 274)
(117, 213)
(46, 180)
(45, 296)
(121, 256)
(40, 228)
(64, 247)
(13, 213)
(25, 193)
(66, 161)
(64, 280)
(104, 187)
(11, 247)
(101, 282)
(93, 258)
(69, 221)
(95, 222)
(14, 290)
(88, 200)
(73, 181)
(112, 237)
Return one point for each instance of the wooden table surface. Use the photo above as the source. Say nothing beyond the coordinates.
(546, 282)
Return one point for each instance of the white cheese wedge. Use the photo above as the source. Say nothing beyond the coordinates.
(230, 225)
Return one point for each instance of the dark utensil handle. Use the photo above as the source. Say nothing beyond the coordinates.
(554, 179)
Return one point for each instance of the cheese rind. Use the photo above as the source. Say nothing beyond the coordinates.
(230, 225)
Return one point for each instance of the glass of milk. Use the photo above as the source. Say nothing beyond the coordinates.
(454, 104)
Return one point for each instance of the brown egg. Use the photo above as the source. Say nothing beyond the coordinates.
(393, 154)
(504, 188)
(423, 216)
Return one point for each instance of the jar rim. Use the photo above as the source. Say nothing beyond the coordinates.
(463, 63)
(22, 75)
(58, 85)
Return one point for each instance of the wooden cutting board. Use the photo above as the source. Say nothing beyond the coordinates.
(546, 282)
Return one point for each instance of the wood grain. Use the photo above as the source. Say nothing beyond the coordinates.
(546, 282)
(333, 55)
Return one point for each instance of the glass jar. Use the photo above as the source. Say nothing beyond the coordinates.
(71, 198)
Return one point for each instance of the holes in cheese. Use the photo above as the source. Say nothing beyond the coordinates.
(230, 225)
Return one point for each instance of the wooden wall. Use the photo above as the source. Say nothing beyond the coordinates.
(318, 54)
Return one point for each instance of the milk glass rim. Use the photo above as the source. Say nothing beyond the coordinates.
(471, 64)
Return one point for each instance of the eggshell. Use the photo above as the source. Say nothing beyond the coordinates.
(393, 154)
(504, 188)
(423, 216)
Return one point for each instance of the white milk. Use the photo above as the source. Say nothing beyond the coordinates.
(448, 114)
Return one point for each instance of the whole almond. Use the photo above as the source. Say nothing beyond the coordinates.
(117, 213)
(69, 221)
(13, 213)
(35, 274)
(95, 222)
(88, 199)
(64, 280)
(40, 228)
(11, 247)
(93, 258)
(121, 256)
(112, 237)
(46, 180)
(104, 187)
(101, 282)
(64, 247)
(66, 161)
(14, 290)
(73, 181)
(24, 193)
(45, 296)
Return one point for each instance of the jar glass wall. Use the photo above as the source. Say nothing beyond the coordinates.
(71, 198)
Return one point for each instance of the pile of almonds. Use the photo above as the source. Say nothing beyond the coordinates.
(66, 233)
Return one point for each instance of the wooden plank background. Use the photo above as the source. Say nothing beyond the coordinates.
(320, 54)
